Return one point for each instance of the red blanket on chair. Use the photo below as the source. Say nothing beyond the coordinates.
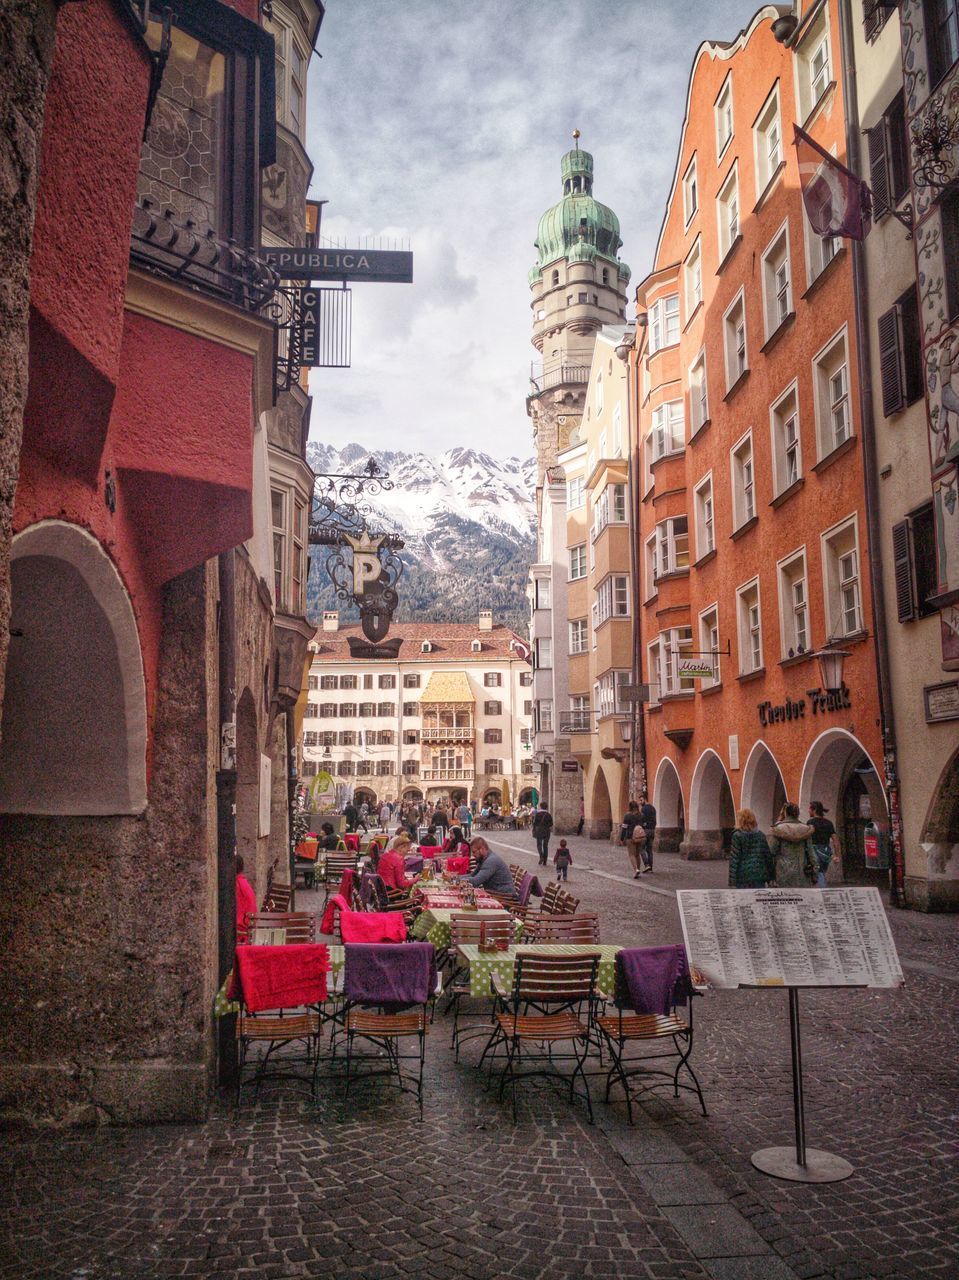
(373, 926)
(336, 903)
(282, 977)
(458, 865)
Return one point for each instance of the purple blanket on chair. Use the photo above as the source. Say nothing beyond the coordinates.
(393, 975)
(654, 978)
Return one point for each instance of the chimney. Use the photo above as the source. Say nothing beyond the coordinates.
(331, 620)
(486, 619)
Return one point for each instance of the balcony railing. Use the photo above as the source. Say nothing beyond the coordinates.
(575, 722)
(447, 733)
(562, 375)
(447, 775)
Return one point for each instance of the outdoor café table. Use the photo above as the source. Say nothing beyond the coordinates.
(433, 924)
(446, 897)
(483, 964)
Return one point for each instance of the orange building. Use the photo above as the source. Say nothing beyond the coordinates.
(749, 464)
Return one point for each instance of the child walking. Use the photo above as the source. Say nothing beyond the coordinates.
(562, 860)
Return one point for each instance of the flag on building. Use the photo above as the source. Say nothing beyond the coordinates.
(837, 201)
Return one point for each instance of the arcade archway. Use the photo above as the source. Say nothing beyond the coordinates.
(839, 772)
(668, 803)
(712, 816)
(763, 788)
(601, 809)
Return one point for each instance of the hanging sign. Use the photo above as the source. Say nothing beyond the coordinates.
(697, 669)
(385, 266)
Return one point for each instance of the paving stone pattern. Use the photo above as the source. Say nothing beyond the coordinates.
(282, 1189)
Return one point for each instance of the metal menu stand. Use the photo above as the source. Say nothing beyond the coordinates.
(792, 938)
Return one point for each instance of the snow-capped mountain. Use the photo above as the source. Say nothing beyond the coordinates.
(468, 523)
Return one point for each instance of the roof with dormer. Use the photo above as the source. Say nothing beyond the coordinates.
(449, 642)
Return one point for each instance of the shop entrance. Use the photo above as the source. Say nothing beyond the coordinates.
(839, 773)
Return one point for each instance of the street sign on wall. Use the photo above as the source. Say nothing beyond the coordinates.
(385, 266)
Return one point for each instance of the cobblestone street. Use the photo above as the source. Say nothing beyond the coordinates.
(282, 1190)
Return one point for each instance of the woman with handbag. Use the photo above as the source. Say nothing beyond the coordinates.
(790, 843)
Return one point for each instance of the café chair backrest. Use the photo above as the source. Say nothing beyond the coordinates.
(561, 978)
(299, 926)
(574, 929)
(469, 930)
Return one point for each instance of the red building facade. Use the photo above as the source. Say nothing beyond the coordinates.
(753, 539)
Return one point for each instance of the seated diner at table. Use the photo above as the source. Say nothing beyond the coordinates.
(454, 840)
(329, 840)
(245, 902)
(390, 866)
(492, 873)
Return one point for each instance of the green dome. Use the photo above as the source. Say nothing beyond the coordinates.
(578, 228)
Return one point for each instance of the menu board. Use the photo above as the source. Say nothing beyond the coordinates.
(789, 937)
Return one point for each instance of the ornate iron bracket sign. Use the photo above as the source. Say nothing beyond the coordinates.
(932, 139)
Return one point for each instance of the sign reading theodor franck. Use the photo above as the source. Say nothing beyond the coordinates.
(390, 266)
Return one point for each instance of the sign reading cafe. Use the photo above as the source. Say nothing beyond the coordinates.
(821, 701)
(391, 266)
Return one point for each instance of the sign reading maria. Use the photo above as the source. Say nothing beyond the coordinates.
(391, 266)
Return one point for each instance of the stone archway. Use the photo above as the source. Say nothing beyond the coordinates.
(938, 888)
(670, 811)
(600, 823)
(839, 772)
(764, 790)
(74, 714)
(712, 817)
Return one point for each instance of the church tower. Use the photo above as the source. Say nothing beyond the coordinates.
(578, 285)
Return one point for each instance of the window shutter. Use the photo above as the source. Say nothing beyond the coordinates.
(902, 568)
(878, 168)
(890, 362)
(872, 17)
(912, 364)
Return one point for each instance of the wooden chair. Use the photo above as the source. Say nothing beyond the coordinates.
(575, 929)
(277, 896)
(300, 926)
(276, 1030)
(557, 987)
(332, 873)
(467, 930)
(649, 1036)
(517, 873)
(565, 904)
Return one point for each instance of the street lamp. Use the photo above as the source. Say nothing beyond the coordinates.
(626, 731)
(831, 662)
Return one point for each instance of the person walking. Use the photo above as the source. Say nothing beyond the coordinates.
(825, 842)
(464, 815)
(647, 819)
(582, 817)
(363, 818)
(542, 829)
(562, 861)
(790, 843)
(386, 813)
(750, 862)
(631, 834)
(351, 815)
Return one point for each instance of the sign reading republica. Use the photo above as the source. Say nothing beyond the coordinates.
(386, 266)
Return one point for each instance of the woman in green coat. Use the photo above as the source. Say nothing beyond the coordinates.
(790, 843)
(750, 862)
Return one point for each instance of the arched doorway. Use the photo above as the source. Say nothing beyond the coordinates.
(763, 788)
(712, 816)
(413, 793)
(936, 888)
(492, 798)
(248, 788)
(529, 795)
(668, 803)
(74, 713)
(839, 773)
(364, 795)
(600, 818)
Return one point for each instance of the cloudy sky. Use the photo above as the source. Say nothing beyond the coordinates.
(443, 122)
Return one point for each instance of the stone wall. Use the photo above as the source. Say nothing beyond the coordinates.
(26, 52)
(108, 925)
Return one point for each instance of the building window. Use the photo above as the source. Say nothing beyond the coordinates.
(668, 435)
(494, 766)
(385, 737)
(313, 682)
(709, 644)
(724, 117)
(494, 679)
(543, 594)
(831, 377)
(278, 505)
(900, 353)
(942, 36)
(329, 682)
(348, 682)
(384, 768)
(741, 472)
(327, 710)
(654, 673)
(607, 693)
(579, 713)
(577, 562)
(618, 431)
(544, 654)
(750, 628)
(328, 738)
(367, 709)
(727, 211)
(690, 191)
(527, 709)
(914, 564)
(734, 334)
(492, 735)
(777, 285)
(411, 737)
(600, 398)
(663, 323)
(311, 739)
(411, 682)
(888, 145)
(814, 64)
(675, 644)
(767, 135)
(672, 546)
(705, 517)
(874, 15)
(345, 768)
(693, 275)
(387, 682)
(411, 708)
(698, 395)
(309, 769)
(544, 715)
(386, 709)
(787, 453)
(612, 599)
(578, 636)
(494, 708)
(291, 62)
(793, 605)
(610, 508)
(410, 768)
(840, 555)
(312, 711)
(525, 679)
(574, 493)
(347, 738)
